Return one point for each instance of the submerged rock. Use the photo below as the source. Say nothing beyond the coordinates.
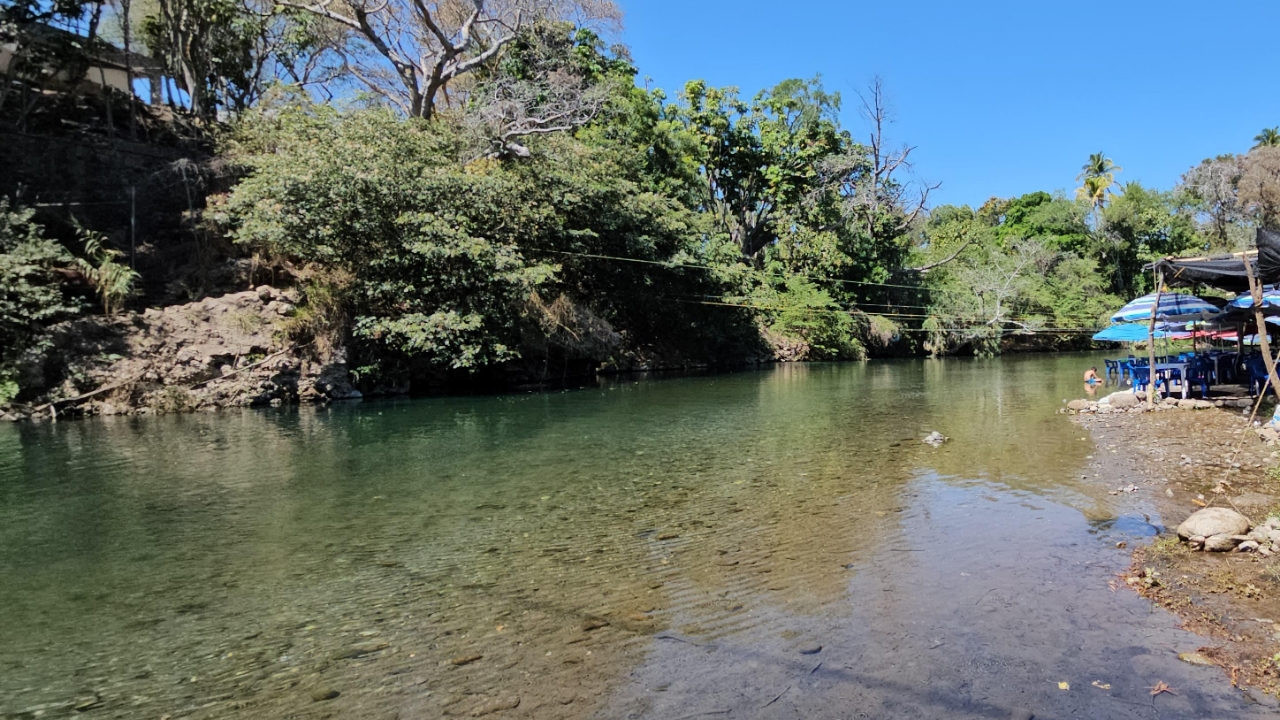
(935, 439)
(1214, 521)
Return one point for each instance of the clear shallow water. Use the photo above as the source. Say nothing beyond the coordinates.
(653, 549)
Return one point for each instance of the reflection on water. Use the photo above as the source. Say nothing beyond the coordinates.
(536, 555)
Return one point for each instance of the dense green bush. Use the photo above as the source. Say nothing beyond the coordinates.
(31, 291)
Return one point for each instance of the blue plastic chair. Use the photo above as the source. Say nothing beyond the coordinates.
(1199, 372)
(1257, 374)
(1142, 379)
(1170, 376)
(1113, 368)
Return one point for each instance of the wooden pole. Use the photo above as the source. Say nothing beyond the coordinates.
(1255, 290)
(1151, 343)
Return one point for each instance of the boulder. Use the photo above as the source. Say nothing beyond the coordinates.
(1078, 405)
(1123, 400)
(1187, 404)
(1247, 546)
(1204, 404)
(1213, 521)
(1220, 543)
(935, 439)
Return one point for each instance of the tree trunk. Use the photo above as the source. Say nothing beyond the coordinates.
(126, 30)
(1151, 344)
(1255, 291)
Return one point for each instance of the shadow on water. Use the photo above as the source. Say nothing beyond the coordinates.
(567, 554)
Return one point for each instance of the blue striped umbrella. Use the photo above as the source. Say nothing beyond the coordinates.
(1127, 332)
(1270, 298)
(1174, 307)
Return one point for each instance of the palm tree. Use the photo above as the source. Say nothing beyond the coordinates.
(1269, 137)
(1097, 176)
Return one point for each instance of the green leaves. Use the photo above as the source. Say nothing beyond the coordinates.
(31, 294)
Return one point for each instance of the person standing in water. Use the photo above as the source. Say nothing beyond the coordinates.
(1091, 376)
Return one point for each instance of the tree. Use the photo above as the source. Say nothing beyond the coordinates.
(1097, 177)
(882, 203)
(1259, 184)
(1210, 189)
(1140, 226)
(1269, 137)
(225, 53)
(761, 158)
(410, 51)
(554, 78)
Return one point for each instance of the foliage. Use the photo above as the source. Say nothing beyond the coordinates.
(1098, 177)
(224, 54)
(31, 293)
(442, 257)
(800, 310)
(112, 280)
(434, 247)
(1259, 185)
(1269, 137)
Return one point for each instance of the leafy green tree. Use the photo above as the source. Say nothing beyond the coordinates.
(1140, 226)
(225, 54)
(434, 249)
(32, 296)
(758, 159)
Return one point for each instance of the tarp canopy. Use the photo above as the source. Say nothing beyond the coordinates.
(1226, 272)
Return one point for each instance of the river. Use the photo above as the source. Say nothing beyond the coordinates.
(771, 544)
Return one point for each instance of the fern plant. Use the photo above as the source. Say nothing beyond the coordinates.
(112, 280)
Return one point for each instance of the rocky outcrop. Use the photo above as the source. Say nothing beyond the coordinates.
(228, 351)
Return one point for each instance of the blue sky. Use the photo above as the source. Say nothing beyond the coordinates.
(1000, 98)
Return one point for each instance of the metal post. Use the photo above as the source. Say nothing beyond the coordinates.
(133, 227)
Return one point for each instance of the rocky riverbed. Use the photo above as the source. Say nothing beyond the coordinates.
(1196, 469)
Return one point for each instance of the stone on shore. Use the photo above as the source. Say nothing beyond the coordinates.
(1220, 543)
(1122, 400)
(1214, 521)
(1079, 405)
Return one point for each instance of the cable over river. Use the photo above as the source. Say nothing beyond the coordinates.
(771, 544)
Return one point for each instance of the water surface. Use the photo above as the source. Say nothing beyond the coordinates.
(653, 549)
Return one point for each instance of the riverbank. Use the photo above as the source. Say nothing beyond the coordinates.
(229, 351)
(1175, 463)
